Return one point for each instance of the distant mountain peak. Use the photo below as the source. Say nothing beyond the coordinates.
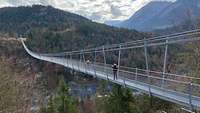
(162, 14)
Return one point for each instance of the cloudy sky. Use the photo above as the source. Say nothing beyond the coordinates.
(97, 10)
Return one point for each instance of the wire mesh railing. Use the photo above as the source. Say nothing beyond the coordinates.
(159, 79)
(179, 83)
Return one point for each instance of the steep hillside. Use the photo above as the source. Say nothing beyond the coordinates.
(52, 30)
(159, 15)
(141, 18)
(48, 30)
(19, 82)
(58, 29)
(21, 19)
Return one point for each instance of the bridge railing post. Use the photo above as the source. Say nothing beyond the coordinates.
(104, 57)
(67, 59)
(72, 62)
(164, 63)
(84, 61)
(94, 64)
(136, 74)
(147, 65)
(190, 95)
(80, 61)
(119, 59)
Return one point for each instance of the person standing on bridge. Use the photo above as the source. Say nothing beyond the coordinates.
(115, 69)
(88, 62)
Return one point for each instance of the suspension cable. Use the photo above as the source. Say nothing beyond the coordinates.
(132, 44)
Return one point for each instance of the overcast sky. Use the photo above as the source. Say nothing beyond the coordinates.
(97, 10)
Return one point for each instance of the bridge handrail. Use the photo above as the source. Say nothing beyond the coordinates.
(160, 78)
(157, 72)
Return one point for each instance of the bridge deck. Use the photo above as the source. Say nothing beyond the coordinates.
(139, 81)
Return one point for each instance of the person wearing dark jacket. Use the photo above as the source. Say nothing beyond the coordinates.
(115, 69)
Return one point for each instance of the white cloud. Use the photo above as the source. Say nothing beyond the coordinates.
(4, 3)
(97, 10)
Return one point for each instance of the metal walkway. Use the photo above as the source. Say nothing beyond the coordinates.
(179, 89)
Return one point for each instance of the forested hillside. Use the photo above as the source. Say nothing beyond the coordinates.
(51, 30)
(47, 30)
(190, 24)
(59, 30)
(188, 60)
(21, 19)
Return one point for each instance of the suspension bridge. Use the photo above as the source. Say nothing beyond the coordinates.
(180, 89)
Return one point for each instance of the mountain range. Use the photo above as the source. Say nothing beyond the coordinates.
(96, 10)
(161, 14)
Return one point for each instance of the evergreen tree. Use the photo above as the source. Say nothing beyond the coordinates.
(119, 100)
(64, 102)
(61, 102)
(51, 106)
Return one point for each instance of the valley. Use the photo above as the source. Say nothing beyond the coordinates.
(29, 85)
